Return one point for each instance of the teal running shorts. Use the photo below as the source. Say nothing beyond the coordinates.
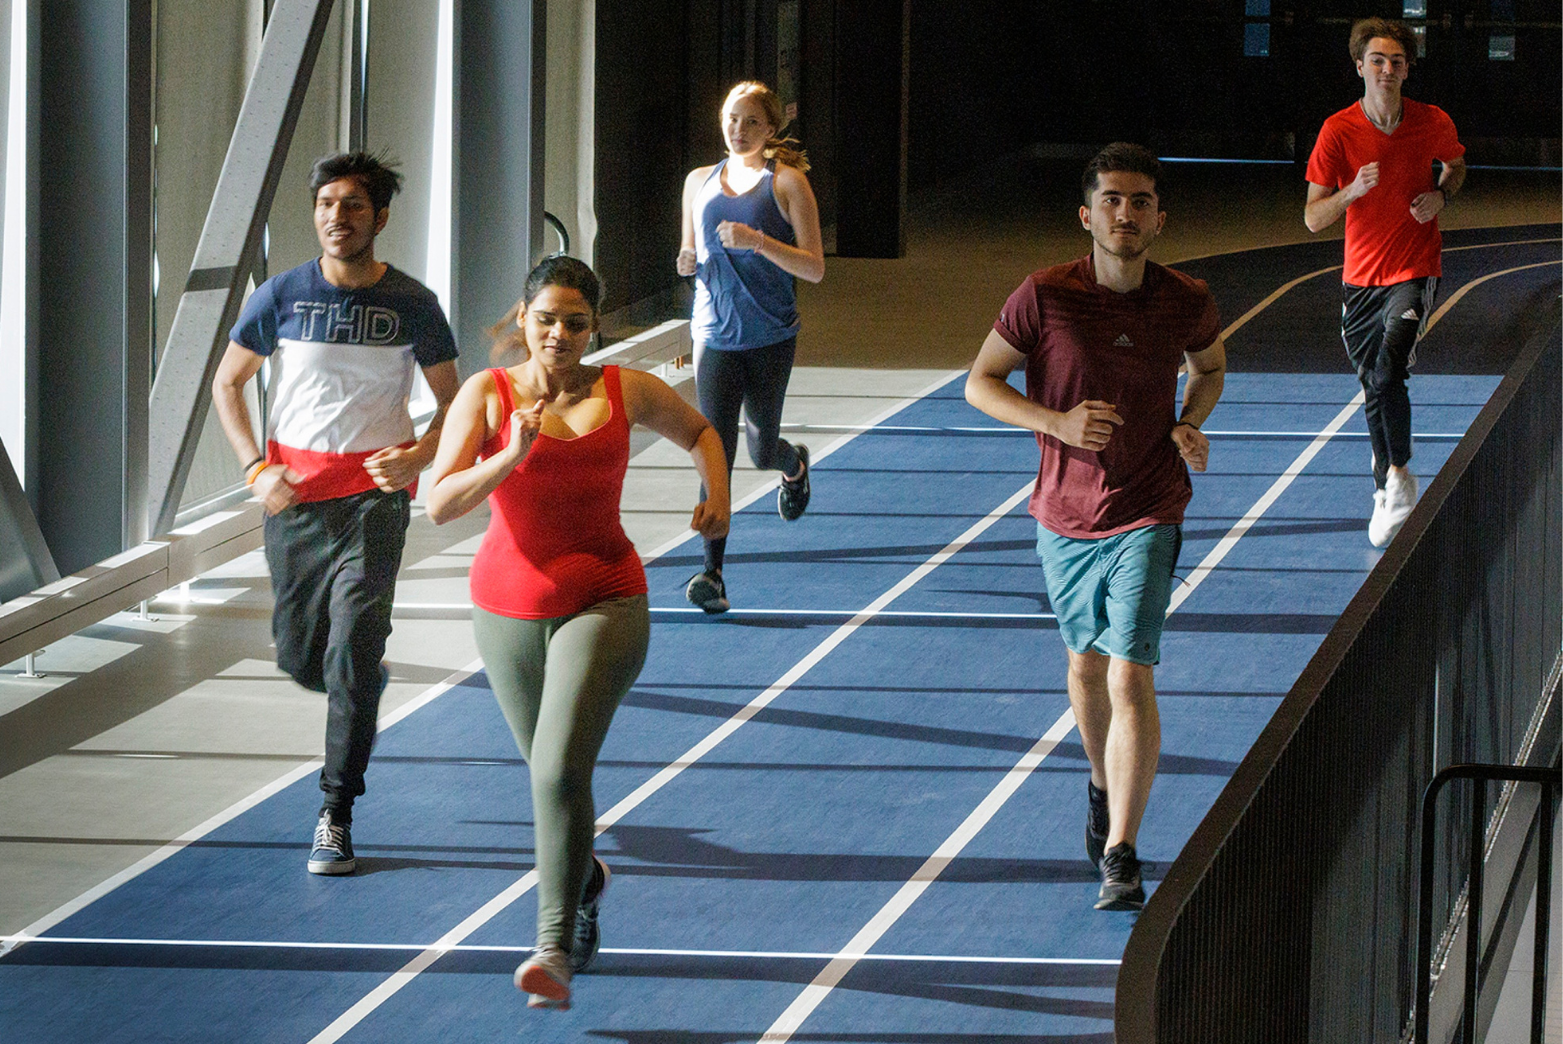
(1111, 594)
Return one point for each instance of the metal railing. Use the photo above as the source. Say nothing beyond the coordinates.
(218, 530)
(1289, 915)
(1478, 836)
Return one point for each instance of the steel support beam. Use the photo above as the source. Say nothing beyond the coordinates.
(93, 273)
(230, 241)
(25, 561)
(498, 167)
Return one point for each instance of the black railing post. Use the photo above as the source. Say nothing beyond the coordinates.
(1473, 908)
(1481, 775)
(1538, 990)
(1424, 917)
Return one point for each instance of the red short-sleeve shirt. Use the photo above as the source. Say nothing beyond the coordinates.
(1384, 243)
(1083, 341)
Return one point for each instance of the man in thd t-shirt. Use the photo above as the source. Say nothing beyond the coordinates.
(1373, 163)
(1101, 340)
(342, 333)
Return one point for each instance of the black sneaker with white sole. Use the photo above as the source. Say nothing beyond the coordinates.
(1096, 824)
(1121, 887)
(708, 592)
(793, 496)
(583, 947)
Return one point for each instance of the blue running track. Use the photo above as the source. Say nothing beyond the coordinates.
(889, 687)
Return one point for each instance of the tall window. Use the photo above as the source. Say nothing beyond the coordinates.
(1500, 45)
(1256, 34)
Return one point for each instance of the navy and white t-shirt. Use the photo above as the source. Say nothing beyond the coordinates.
(341, 370)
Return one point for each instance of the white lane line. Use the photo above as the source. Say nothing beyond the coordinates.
(814, 458)
(387, 989)
(855, 950)
(1233, 535)
(624, 951)
(815, 993)
(234, 810)
(739, 613)
(906, 614)
(1237, 433)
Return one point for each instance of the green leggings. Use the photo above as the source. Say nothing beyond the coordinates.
(559, 682)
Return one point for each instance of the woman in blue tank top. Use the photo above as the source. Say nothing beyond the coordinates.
(750, 225)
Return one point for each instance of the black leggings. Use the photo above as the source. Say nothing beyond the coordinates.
(756, 380)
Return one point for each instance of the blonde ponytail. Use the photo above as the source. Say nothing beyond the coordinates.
(782, 150)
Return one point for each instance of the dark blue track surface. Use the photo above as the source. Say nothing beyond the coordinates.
(783, 841)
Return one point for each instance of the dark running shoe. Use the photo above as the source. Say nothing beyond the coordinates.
(708, 592)
(332, 851)
(1121, 888)
(587, 935)
(1096, 824)
(793, 496)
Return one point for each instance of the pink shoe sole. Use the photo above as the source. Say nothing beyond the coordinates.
(545, 991)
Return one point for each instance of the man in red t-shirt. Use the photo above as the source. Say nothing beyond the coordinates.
(1373, 163)
(1101, 340)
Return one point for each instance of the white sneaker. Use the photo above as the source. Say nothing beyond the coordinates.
(1379, 531)
(545, 978)
(1391, 506)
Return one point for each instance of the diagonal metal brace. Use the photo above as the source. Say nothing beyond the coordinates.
(25, 561)
(225, 256)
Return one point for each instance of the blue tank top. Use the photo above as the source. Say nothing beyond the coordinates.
(742, 300)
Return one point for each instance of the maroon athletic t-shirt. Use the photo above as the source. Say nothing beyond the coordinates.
(1083, 341)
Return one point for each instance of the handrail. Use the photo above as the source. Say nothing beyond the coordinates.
(1549, 779)
(664, 344)
(1335, 771)
(559, 230)
(60, 609)
(32, 621)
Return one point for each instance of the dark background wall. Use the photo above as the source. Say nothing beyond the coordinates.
(991, 77)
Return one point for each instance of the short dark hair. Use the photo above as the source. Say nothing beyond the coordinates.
(1121, 156)
(1369, 29)
(377, 175)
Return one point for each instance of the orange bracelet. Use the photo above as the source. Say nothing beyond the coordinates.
(254, 471)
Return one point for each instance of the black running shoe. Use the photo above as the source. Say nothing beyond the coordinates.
(793, 496)
(708, 592)
(587, 935)
(1096, 824)
(1121, 888)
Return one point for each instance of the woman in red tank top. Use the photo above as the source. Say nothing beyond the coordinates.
(558, 593)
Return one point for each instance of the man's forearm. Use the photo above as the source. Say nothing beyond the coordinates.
(1450, 179)
(1201, 392)
(234, 414)
(1322, 213)
(999, 400)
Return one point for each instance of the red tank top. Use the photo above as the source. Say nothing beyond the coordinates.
(555, 545)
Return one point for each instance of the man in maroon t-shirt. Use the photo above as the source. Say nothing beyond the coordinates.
(1101, 340)
(1373, 163)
